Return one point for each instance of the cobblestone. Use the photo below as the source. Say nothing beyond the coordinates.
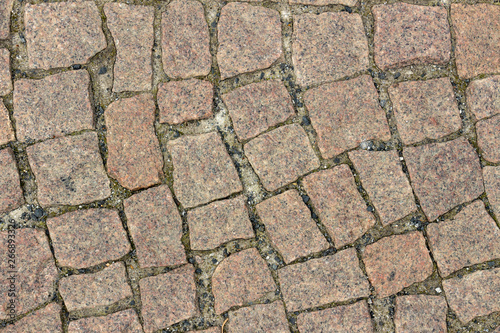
(483, 97)
(123, 321)
(259, 318)
(324, 2)
(45, 320)
(488, 138)
(5, 80)
(11, 194)
(5, 9)
(6, 130)
(420, 313)
(492, 185)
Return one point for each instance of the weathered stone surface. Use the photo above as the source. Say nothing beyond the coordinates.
(5, 79)
(60, 34)
(259, 318)
(132, 31)
(123, 321)
(11, 194)
(156, 227)
(218, 223)
(328, 46)
(420, 313)
(5, 8)
(444, 175)
(334, 278)
(210, 330)
(203, 170)
(185, 40)
(249, 38)
(492, 185)
(45, 320)
(256, 107)
(134, 156)
(339, 205)
(483, 97)
(53, 106)
(324, 2)
(425, 109)
(488, 138)
(241, 278)
(409, 34)
(6, 130)
(69, 170)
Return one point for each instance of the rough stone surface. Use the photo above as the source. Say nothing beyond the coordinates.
(181, 101)
(85, 238)
(282, 155)
(444, 175)
(45, 320)
(420, 314)
(328, 46)
(134, 156)
(483, 97)
(185, 40)
(492, 185)
(488, 138)
(123, 321)
(218, 223)
(5, 80)
(477, 30)
(408, 34)
(53, 106)
(132, 31)
(346, 113)
(258, 106)
(324, 2)
(425, 109)
(5, 8)
(259, 318)
(156, 227)
(210, 330)
(385, 182)
(339, 205)
(6, 130)
(203, 170)
(249, 38)
(69, 170)
(334, 278)
(11, 194)
(63, 33)
(290, 226)
(168, 298)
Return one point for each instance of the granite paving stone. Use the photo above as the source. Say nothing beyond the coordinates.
(6, 130)
(483, 97)
(11, 194)
(491, 177)
(488, 138)
(123, 321)
(45, 320)
(5, 79)
(5, 9)
(210, 330)
(420, 314)
(324, 2)
(259, 318)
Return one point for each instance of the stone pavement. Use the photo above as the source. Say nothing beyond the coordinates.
(254, 166)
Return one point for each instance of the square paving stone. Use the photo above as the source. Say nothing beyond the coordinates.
(396, 262)
(328, 46)
(425, 109)
(282, 155)
(11, 194)
(218, 223)
(241, 278)
(492, 185)
(85, 238)
(444, 175)
(45, 320)
(62, 33)
(409, 34)
(488, 138)
(6, 130)
(5, 9)
(483, 97)
(346, 113)
(69, 170)
(339, 205)
(203, 170)
(290, 226)
(258, 106)
(168, 298)
(334, 278)
(249, 38)
(156, 227)
(420, 314)
(5, 79)
(123, 321)
(259, 318)
(53, 106)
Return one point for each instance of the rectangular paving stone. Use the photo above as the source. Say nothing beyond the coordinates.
(488, 138)
(123, 321)
(5, 9)
(420, 313)
(5, 79)
(45, 320)
(6, 130)
(324, 2)
(491, 177)
(53, 106)
(156, 227)
(334, 278)
(259, 318)
(11, 194)
(483, 97)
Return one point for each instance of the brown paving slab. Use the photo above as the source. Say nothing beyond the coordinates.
(339, 205)
(258, 318)
(86, 238)
(185, 40)
(282, 155)
(132, 30)
(134, 156)
(385, 182)
(444, 175)
(5, 79)
(156, 227)
(483, 97)
(328, 46)
(241, 278)
(324, 2)
(45, 320)
(474, 295)
(218, 223)
(69, 170)
(488, 138)
(477, 31)
(11, 194)
(354, 318)
(36, 271)
(123, 321)
(491, 177)
(290, 226)
(409, 34)
(420, 314)
(6, 130)
(396, 262)
(180, 101)
(168, 298)
(63, 33)
(249, 38)
(203, 170)
(472, 237)
(334, 278)
(425, 109)
(5, 9)
(43, 108)
(346, 113)
(258, 106)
